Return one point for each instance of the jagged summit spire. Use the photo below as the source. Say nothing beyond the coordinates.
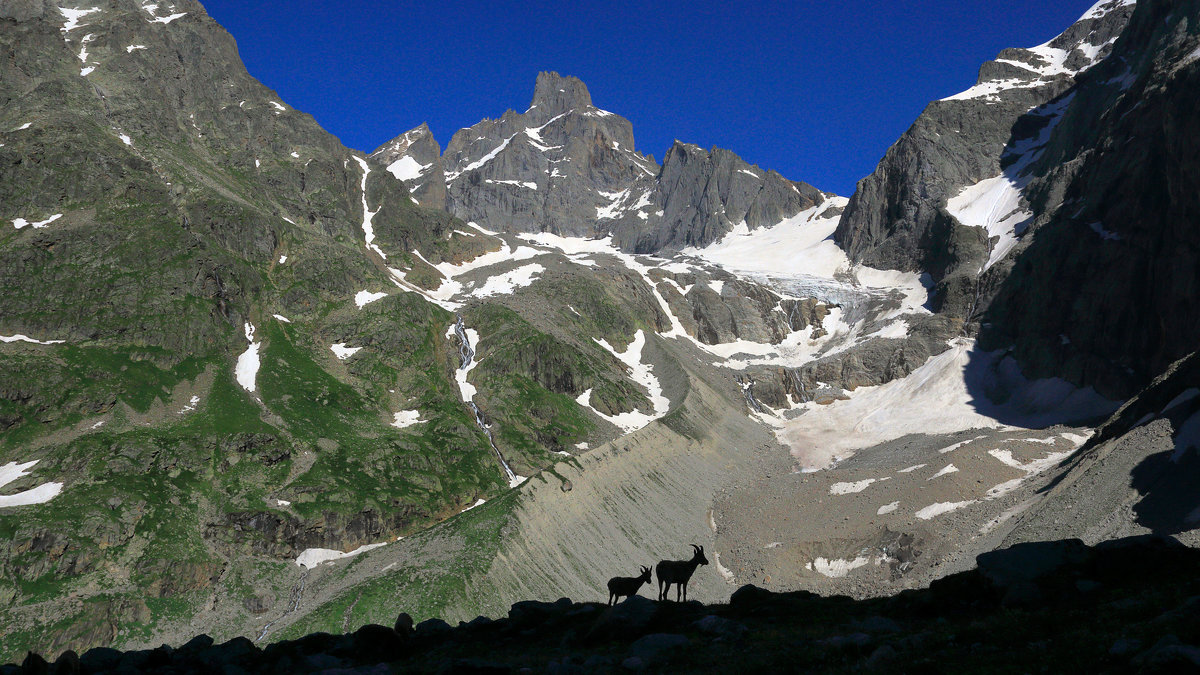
(555, 94)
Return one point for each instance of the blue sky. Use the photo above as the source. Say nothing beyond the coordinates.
(814, 90)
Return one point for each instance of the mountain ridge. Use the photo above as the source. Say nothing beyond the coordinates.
(680, 204)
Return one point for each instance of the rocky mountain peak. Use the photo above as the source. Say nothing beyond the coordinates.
(554, 94)
(568, 167)
(414, 158)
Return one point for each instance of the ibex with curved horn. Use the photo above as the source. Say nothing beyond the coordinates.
(619, 587)
(678, 572)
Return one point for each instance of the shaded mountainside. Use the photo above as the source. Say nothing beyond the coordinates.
(568, 167)
(1103, 291)
(1054, 607)
(1054, 202)
(892, 220)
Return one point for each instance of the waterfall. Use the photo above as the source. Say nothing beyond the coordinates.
(748, 392)
(466, 355)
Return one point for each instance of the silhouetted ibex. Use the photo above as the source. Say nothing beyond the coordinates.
(678, 572)
(619, 587)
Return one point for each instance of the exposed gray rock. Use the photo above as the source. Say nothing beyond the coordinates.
(892, 220)
(568, 167)
(1103, 290)
(415, 158)
(22, 10)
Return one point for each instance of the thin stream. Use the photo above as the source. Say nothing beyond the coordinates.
(466, 355)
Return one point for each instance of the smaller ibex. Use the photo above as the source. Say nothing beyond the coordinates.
(619, 587)
(678, 572)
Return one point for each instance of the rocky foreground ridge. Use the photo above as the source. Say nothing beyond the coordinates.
(1127, 606)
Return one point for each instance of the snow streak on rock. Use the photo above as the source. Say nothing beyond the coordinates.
(640, 372)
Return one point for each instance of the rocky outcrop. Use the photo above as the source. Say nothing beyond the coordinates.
(568, 167)
(718, 308)
(1052, 202)
(21, 10)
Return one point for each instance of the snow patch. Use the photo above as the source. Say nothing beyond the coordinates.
(20, 223)
(73, 16)
(131, 48)
(246, 370)
(508, 282)
(939, 508)
(836, 568)
(368, 214)
(525, 184)
(934, 399)
(466, 389)
(24, 338)
(407, 168)
(803, 245)
(639, 372)
(38, 495)
(722, 570)
(311, 557)
(995, 205)
(343, 352)
(850, 488)
(282, 318)
(363, 298)
(952, 448)
(887, 508)
(452, 175)
(1032, 467)
(946, 470)
(191, 405)
(406, 418)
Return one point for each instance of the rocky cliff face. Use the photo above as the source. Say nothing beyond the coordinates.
(894, 218)
(1047, 203)
(568, 167)
(1103, 289)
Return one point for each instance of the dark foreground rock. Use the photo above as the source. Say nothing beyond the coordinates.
(1126, 606)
